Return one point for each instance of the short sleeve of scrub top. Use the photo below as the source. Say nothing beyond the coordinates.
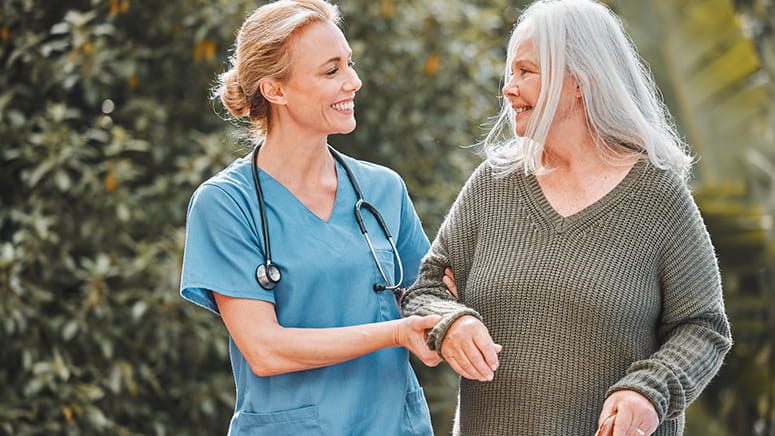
(328, 275)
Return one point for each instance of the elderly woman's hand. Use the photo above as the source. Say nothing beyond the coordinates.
(449, 280)
(627, 413)
(469, 349)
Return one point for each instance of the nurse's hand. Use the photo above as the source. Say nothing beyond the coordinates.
(411, 335)
(469, 349)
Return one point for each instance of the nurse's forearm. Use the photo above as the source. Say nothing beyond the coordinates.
(272, 349)
(291, 349)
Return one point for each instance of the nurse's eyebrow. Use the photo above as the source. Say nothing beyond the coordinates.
(336, 59)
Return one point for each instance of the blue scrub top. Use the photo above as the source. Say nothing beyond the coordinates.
(328, 276)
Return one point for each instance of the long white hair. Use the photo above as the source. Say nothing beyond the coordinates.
(624, 111)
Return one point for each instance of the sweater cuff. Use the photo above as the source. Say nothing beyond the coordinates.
(437, 334)
(651, 385)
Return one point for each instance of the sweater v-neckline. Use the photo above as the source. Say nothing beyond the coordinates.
(560, 223)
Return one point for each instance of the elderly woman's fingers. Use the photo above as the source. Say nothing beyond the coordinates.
(469, 349)
(449, 280)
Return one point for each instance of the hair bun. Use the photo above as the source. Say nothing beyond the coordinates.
(232, 95)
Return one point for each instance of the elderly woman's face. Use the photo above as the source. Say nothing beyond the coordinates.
(524, 84)
(524, 87)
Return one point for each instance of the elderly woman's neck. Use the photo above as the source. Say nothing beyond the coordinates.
(570, 151)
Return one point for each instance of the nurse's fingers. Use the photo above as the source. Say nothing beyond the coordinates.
(411, 335)
(428, 357)
(425, 354)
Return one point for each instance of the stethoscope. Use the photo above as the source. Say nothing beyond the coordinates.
(268, 273)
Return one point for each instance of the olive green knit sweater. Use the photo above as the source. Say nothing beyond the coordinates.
(625, 294)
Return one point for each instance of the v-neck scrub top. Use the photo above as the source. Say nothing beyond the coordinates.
(328, 274)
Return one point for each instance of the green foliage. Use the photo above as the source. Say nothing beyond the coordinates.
(715, 77)
(97, 104)
(758, 23)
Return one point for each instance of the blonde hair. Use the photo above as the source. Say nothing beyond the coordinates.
(261, 51)
(584, 39)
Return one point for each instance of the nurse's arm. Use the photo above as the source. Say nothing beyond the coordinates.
(270, 348)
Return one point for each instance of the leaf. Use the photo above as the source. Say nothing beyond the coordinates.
(60, 28)
(138, 309)
(69, 330)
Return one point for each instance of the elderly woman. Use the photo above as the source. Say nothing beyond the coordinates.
(578, 245)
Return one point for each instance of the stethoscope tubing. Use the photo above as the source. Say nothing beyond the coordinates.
(261, 206)
(265, 273)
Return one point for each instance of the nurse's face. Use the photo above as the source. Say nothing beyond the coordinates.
(320, 91)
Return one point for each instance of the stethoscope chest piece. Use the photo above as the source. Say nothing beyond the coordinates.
(268, 275)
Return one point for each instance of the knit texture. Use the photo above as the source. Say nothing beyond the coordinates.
(624, 294)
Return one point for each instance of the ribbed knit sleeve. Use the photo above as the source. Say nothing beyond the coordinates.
(694, 332)
(456, 241)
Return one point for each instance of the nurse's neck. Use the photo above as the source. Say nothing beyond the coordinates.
(297, 162)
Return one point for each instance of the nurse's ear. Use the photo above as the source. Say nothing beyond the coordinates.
(272, 90)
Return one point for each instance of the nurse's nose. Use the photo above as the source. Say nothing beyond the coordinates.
(353, 82)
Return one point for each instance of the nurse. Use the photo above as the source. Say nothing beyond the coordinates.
(316, 348)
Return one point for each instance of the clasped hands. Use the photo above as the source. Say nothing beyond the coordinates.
(467, 345)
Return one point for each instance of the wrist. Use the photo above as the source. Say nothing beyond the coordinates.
(439, 332)
(395, 332)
